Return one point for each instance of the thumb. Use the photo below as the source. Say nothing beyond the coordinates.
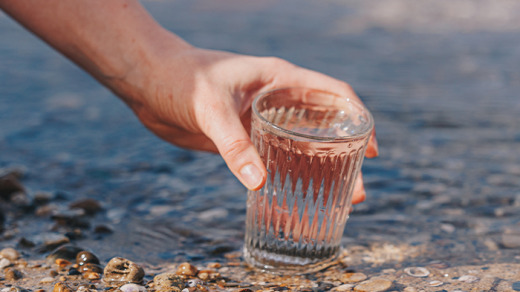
(235, 146)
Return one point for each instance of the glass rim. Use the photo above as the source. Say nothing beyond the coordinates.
(367, 131)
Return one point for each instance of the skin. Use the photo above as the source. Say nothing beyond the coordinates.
(191, 97)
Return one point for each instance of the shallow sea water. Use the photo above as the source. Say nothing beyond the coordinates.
(441, 80)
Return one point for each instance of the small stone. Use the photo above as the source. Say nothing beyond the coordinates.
(418, 272)
(436, 283)
(468, 279)
(53, 273)
(374, 285)
(344, 287)
(49, 241)
(516, 286)
(47, 280)
(169, 280)
(91, 276)
(122, 270)
(66, 252)
(10, 254)
(214, 265)
(187, 269)
(90, 268)
(62, 279)
(13, 275)
(85, 257)
(4, 263)
(194, 282)
(62, 263)
(90, 206)
(132, 288)
(208, 275)
(9, 185)
(511, 240)
(353, 277)
(409, 289)
(439, 265)
(102, 229)
(61, 287)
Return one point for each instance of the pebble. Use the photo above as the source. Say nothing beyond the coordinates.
(66, 252)
(468, 279)
(61, 287)
(194, 282)
(10, 254)
(409, 289)
(418, 272)
(62, 263)
(48, 241)
(436, 283)
(511, 240)
(132, 288)
(344, 287)
(91, 276)
(122, 270)
(353, 277)
(4, 263)
(47, 280)
(12, 275)
(90, 268)
(168, 280)
(187, 269)
(374, 285)
(9, 185)
(516, 286)
(208, 275)
(89, 206)
(85, 257)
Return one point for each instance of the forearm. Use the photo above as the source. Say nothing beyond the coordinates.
(109, 39)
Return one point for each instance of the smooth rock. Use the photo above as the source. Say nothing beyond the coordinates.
(208, 275)
(194, 282)
(13, 274)
(132, 288)
(122, 270)
(410, 289)
(374, 285)
(511, 240)
(86, 257)
(9, 185)
(61, 287)
(516, 286)
(344, 287)
(187, 269)
(90, 268)
(4, 263)
(66, 252)
(169, 280)
(468, 279)
(47, 280)
(48, 241)
(352, 277)
(435, 283)
(418, 272)
(89, 206)
(10, 254)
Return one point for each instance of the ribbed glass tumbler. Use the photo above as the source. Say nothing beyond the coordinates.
(312, 143)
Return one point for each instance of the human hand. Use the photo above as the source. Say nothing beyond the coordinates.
(201, 99)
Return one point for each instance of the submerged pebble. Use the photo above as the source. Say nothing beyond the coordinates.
(468, 279)
(122, 270)
(67, 252)
(374, 285)
(89, 206)
(418, 272)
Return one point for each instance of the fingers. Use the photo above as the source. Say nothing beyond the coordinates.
(359, 190)
(372, 147)
(234, 145)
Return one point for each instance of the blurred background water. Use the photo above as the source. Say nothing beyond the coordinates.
(440, 77)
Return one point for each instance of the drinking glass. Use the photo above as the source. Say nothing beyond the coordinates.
(312, 143)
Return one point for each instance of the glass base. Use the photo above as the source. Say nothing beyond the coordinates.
(285, 264)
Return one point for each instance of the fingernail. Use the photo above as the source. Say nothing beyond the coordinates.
(251, 176)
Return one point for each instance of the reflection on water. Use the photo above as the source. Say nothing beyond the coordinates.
(445, 101)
